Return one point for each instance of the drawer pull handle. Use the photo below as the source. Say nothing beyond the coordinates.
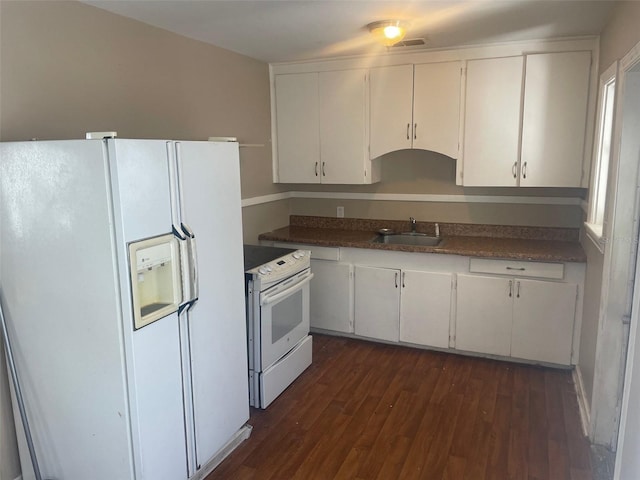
(520, 269)
(510, 288)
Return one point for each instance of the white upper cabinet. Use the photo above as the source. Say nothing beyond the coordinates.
(418, 109)
(298, 123)
(391, 109)
(511, 115)
(344, 137)
(322, 127)
(556, 96)
(492, 122)
(525, 120)
(436, 107)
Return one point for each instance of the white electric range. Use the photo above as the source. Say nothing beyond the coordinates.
(277, 294)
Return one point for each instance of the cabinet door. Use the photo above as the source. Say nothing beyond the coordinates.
(556, 92)
(391, 99)
(492, 122)
(297, 122)
(343, 127)
(425, 308)
(484, 314)
(436, 107)
(377, 302)
(543, 321)
(331, 294)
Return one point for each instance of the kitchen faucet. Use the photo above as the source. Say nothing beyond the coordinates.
(413, 224)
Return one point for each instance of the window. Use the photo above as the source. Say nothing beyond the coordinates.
(601, 155)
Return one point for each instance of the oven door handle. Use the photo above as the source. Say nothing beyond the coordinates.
(267, 299)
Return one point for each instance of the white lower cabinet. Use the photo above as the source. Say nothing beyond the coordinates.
(425, 308)
(403, 305)
(543, 318)
(527, 319)
(377, 303)
(448, 301)
(331, 292)
(484, 314)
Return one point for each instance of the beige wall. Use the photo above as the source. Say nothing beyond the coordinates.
(488, 213)
(264, 218)
(620, 34)
(68, 68)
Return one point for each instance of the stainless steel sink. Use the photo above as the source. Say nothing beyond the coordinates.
(408, 238)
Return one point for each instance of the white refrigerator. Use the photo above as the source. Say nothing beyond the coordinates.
(121, 272)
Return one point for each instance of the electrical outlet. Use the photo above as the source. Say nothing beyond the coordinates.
(340, 212)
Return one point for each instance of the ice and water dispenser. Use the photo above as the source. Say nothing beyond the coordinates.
(155, 278)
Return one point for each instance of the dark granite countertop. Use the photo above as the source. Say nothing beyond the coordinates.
(486, 241)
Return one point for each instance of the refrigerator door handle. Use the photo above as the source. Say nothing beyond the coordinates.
(183, 246)
(192, 262)
(195, 290)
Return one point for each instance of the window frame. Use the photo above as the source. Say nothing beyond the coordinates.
(596, 224)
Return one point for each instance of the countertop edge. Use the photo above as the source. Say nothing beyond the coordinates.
(500, 250)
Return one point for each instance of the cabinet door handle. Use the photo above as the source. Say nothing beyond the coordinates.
(415, 131)
(514, 170)
(316, 169)
(408, 127)
(323, 174)
(511, 288)
(396, 279)
(518, 289)
(520, 269)
(403, 275)
(524, 170)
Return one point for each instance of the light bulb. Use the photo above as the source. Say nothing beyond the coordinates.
(392, 32)
(388, 32)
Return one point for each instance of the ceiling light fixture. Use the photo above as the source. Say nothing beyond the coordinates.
(388, 32)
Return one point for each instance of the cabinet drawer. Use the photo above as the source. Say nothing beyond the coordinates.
(519, 268)
(317, 253)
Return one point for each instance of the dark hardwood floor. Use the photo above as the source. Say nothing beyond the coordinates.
(372, 411)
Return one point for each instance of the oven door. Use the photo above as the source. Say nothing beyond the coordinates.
(284, 317)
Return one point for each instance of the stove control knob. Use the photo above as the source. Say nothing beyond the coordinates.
(262, 271)
(298, 255)
(269, 269)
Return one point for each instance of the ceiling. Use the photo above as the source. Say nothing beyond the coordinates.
(291, 30)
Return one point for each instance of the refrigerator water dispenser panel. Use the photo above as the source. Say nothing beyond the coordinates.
(155, 278)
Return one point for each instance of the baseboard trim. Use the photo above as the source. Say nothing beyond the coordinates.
(414, 197)
(583, 402)
(239, 437)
